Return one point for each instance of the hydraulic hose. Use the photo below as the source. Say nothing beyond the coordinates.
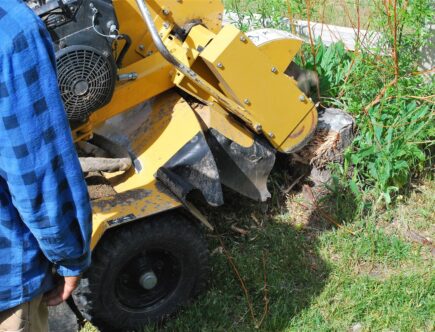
(124, 49)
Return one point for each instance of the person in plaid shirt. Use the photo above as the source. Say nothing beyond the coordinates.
(45, 212)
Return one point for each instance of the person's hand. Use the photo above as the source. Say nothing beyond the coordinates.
(62, 291)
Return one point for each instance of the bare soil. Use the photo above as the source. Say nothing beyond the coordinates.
(99, 186)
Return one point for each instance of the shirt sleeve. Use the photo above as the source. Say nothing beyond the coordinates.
(38, 160)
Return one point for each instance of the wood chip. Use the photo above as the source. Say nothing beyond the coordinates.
(239, 230)
(255, 219)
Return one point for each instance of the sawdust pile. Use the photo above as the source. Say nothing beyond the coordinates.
(98, 186)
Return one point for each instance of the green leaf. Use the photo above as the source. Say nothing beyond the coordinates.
(362, 154)
(400, 165)
(373, 171)
(354, 188)
(378, 129)
(389, 138)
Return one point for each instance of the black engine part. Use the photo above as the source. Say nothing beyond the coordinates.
(83, 32)
(86, 80)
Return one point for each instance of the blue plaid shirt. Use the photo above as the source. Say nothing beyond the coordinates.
(45, 213)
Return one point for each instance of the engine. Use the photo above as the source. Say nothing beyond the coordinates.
(83, 32)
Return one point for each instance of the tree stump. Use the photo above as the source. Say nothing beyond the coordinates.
(335, 132)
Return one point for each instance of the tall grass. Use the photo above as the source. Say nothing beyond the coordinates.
(338, 12)
(382, 86)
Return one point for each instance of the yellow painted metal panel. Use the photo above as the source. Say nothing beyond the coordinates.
(154, 77)
(131, 24)
(154, 133)
(302, 134)
(129, 206)
(164, 11)
(272, 100)
(281, 52)
(198, 37)
(216, 117)
(165, 125)
(182, 12)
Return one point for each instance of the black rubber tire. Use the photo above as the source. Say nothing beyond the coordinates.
(96, 296)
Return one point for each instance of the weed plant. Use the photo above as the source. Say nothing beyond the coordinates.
(380, 85)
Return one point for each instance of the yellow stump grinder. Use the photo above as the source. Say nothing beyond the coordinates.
(167, 106)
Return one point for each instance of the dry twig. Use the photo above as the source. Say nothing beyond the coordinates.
(286, 191)
(266, 295)
(236, 271)
(309, 195)
(379, 97)
(239, 230)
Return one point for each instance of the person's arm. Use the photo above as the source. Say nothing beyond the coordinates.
(37, 156)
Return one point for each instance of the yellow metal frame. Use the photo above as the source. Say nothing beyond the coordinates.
(268, 102)
(165, 11)
(271, 99)
(154, 132)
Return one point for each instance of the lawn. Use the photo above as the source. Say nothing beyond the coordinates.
(315, 276)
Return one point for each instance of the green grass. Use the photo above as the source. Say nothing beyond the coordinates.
(319, 277)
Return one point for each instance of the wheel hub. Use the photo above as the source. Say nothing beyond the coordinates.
(148, 280)
(81, 88)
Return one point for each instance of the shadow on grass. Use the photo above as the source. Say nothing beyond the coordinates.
(276, 254)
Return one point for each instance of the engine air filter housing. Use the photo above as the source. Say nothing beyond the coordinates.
(86, 80)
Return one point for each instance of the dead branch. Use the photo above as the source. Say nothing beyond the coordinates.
(381, 94)
(286, 191)
(265, 295)
(236, 271)
(239, 230)
(309, 195)
(239, 277)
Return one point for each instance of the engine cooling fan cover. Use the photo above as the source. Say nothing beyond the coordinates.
(86, 80)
